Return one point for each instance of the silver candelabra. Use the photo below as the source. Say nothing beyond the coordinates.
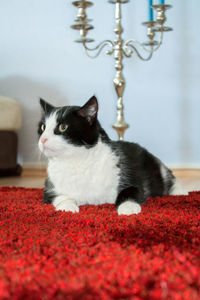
(120, 48)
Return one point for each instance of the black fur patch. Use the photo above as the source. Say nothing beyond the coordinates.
(48, 194)
(131, 193)
(81, 130)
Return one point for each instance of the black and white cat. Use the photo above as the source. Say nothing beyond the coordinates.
(86, 167)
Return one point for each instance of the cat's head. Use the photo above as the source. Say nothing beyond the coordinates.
(62, 130)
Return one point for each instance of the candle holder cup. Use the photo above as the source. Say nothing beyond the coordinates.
(161, 17)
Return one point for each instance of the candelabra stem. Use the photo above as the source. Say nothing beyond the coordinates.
(119, 82)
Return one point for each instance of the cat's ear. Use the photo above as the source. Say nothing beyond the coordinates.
(89, 110)
(47, 108)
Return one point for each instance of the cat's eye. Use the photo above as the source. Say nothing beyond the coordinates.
(43, 127)
(62, 127)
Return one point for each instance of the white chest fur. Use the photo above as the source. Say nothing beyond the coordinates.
(89, 176)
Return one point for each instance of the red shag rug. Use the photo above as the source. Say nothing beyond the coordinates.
(96, 254)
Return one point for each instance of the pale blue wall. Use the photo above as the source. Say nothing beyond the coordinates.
(38, 58)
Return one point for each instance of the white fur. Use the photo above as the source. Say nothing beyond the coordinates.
(163, 171)
(55, 143)
(87, 176)
(129, 207)
(177, 189)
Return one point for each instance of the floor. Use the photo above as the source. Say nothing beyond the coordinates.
(190, 179)
(27, 182)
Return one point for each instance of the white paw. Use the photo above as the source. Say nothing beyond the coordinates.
(129, 208)
(62, 203)
(67, 206)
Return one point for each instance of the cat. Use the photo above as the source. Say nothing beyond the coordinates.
(86, 167)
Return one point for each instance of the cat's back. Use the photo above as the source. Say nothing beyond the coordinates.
(130, 152)
(137, 157)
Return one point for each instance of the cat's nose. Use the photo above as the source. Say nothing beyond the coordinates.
(43, 140)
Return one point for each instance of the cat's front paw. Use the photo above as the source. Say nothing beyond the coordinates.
(67, 206)
(64, 204)
(129, 208)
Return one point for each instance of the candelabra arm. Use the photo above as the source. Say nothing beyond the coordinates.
(131, 44)
(159, 42)
(99, 47)
(128, 52)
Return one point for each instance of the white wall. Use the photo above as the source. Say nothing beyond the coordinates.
(38, 58)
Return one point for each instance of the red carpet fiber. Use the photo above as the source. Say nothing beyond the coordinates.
(96, 254)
